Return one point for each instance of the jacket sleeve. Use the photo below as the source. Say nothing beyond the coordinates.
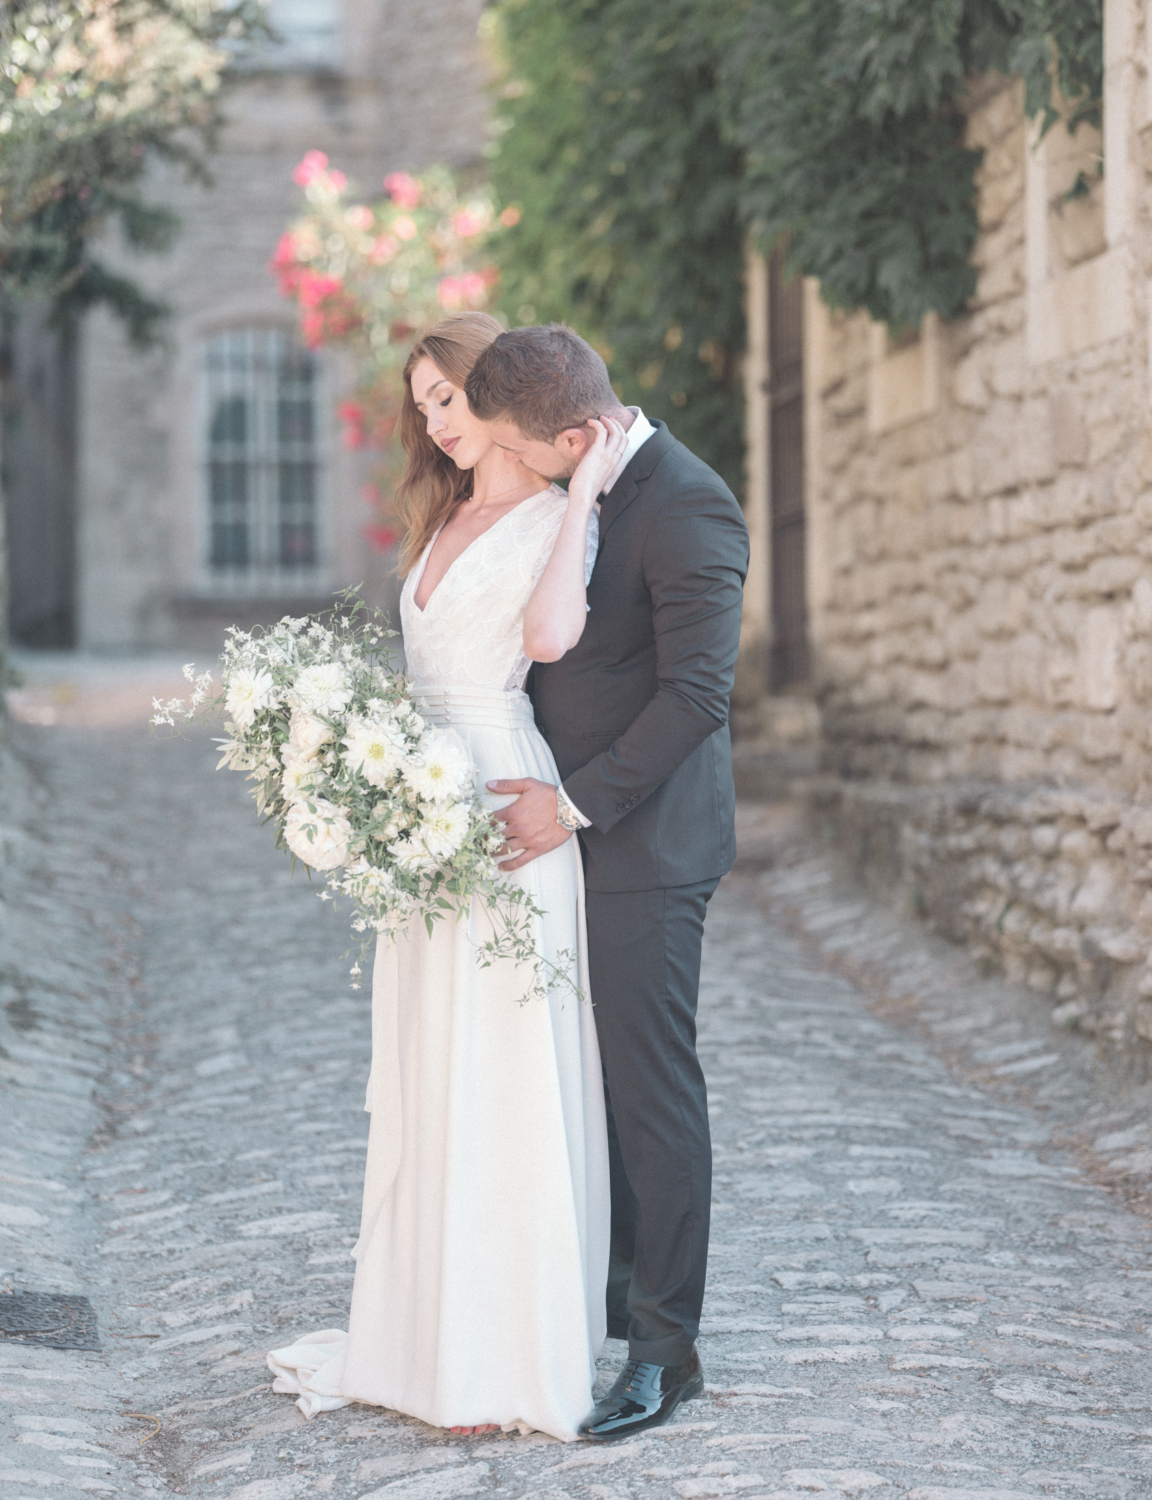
(695, 559)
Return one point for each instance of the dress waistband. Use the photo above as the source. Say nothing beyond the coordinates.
(490, 708)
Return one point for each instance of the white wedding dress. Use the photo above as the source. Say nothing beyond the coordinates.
(483, 1250)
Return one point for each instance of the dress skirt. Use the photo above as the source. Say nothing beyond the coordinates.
(483, 1249)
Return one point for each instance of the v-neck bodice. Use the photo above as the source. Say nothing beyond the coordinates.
(470, 632)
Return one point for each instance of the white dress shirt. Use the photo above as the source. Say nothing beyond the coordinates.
(637, 435)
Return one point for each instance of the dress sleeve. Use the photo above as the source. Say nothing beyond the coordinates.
(591, 545)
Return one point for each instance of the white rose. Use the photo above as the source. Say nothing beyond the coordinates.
(248, 693)
(307, 734)
(375, 749)
(440, 769)
(318, 833)
(322, 689)
(444, 829)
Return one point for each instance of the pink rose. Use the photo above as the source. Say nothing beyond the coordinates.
(383, 249)
(405, 228)
(466, 222)
(403, 189)
(311, 165)
(360, 216)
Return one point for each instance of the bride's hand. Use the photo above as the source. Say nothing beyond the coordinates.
(600, 458)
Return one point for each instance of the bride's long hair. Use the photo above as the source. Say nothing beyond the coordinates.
(432, 485)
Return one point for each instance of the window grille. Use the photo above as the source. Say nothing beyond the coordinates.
(262, 468)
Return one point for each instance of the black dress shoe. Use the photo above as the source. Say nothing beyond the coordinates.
(645, 1395)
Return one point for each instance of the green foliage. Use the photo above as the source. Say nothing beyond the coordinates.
(614, 150)
(92, 91)
(643, 142)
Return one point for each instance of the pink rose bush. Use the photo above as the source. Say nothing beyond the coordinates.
(370, 277)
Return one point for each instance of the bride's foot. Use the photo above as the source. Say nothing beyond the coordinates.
(475, 1431)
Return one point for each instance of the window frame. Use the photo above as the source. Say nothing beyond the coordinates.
(262, 578)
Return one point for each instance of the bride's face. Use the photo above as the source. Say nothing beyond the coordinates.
(451, 425)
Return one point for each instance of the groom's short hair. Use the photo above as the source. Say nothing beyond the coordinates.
(543, 378)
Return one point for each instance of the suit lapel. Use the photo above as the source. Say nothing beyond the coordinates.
(627, 487)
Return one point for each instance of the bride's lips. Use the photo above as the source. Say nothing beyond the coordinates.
(449, 444)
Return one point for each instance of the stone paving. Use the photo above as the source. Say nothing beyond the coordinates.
(913, 1292)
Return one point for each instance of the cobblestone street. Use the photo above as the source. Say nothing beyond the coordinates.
(913, 1291)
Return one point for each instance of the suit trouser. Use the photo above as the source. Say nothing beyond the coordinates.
(644, 971)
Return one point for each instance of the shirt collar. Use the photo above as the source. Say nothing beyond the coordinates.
(638, 434)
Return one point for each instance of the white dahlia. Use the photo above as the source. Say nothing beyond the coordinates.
(374, 748)
(318, 833)
(248, 693)
(307, 734)
(444, 829)
(322, 689)
(441, 768)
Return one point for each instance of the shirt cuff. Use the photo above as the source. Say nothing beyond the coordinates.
(573, 809)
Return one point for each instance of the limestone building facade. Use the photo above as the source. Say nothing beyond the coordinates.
(973, 575)
(154, 499)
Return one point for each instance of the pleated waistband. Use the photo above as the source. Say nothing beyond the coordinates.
(489, 708)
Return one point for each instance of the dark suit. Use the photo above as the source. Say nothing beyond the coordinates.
(637, 718)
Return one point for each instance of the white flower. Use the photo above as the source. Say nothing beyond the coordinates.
(375, 749)
(411, 856)
(306, 734)
(301, 776)
(368, 882)
(322, 689)
(249, 692)
(444, 829)
(318, 832)
(441, 768)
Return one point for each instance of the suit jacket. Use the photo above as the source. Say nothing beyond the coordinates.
(636, 714)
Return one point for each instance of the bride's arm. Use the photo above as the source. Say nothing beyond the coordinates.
(554, 619)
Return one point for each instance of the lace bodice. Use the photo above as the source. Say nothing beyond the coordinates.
(471, 631)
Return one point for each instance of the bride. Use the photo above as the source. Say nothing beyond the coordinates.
(481, 1265)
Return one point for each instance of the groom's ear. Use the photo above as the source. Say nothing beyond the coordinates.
(572, 441)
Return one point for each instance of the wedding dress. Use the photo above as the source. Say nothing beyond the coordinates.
(483, 1251)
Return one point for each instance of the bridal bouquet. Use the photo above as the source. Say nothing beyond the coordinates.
(355, 782)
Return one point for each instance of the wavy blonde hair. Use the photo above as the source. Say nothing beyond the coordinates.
(433, 486)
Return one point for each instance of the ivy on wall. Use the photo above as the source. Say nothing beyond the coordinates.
(643, 142)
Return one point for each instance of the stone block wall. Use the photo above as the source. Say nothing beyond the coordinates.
(980, 568)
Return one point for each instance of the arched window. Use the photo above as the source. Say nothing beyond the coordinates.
(262, 462)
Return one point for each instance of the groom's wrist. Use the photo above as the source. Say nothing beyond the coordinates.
(568, 815)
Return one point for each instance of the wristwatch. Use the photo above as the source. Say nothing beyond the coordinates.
(566, 813)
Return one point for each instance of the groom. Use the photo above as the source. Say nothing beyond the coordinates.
(637, 717)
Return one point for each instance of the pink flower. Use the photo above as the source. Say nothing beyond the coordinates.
(450, 292)
(312, 329)
(509, 217)
(337, 181)
(380, 538)
(360, 216)
(466, 222)
(311, 165)
(284, 256)
(312, 288)
(405, 228)
(383, 249)
(404, 190)
(351, 413)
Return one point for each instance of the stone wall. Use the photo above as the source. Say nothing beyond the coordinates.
(980, 566)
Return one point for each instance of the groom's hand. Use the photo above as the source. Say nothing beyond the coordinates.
(530, 826)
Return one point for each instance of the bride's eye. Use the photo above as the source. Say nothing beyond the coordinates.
(447, 401)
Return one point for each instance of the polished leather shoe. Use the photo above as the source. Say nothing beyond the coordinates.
(645, 1395)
